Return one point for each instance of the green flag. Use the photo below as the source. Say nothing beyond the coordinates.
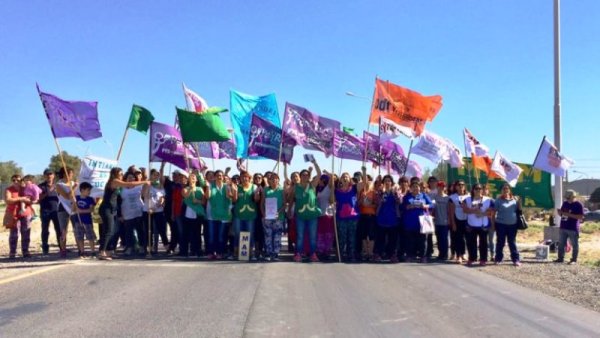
(204, 127)
(140, 119)
(349, 131)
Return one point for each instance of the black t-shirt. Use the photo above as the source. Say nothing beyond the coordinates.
(50, 202)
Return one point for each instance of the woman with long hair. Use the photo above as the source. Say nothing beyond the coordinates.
(506, 209)
(108, 209)
(219, 196)
(273, 223)
(325, 226)
(193, 218)
(20, 219)
(131, 213)
(154, 204)
(346, 197)
(478, 208)
(458, 219)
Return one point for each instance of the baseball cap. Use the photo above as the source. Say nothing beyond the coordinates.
(48, 171)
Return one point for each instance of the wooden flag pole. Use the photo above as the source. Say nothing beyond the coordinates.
(64, 165)
(332, 191)
(123, 141)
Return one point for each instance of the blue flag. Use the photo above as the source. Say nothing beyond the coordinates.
(242, 107)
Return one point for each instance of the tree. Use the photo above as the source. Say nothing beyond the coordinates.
(595, 196)
(441, 172)
(7, 169)
(71, 161)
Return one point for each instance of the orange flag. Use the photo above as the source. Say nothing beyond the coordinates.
(403, 106)
(484, 163)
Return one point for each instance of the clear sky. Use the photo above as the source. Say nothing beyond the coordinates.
(492, 61)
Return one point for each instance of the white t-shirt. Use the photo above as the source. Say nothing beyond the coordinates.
(131, 204)
(482, 204)
(155, 195)
(65, 202)
(457, 200)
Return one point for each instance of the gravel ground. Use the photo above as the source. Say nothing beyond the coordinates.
(577, 284)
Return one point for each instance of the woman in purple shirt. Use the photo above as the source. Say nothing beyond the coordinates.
(346, 197)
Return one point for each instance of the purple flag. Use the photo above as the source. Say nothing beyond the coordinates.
(226, 149)
(348, 146)
(395, 156)
(309, 130)
(206, 149)
(265, 139)
(71, 118)
(375, 153)
(166, 145)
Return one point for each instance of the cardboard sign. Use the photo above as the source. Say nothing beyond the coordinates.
(244, 252)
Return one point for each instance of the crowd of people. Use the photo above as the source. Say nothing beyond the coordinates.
(201, 214)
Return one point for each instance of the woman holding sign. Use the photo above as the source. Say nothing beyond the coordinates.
(307, 212)
(273, 209)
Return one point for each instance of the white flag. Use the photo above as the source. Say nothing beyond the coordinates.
(193, 101)
(414, 170)
(431, 146)
(550, 160)
(506, 169)
(473, 146)
(389, 130)
(453, 155)
(96, 171)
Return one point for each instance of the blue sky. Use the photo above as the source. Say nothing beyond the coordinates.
(492, 61)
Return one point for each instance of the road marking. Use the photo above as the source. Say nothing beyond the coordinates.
(33, 273)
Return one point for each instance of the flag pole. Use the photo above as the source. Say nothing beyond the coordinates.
(408, 156)
(123, 141)
(369, 122)
(467, 162)
(332, 190)
(558, 181)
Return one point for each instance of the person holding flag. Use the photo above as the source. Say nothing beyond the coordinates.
(307, 212)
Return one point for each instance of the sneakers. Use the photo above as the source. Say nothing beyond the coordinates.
(482, 263)
(517, 263)
(470, 263)
(572, 262)
(314, 258)
(297, 258)
(559, 260)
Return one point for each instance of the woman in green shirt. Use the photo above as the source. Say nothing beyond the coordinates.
(246, 197)
(218, 214)
(307, 212)
(273, 209)
(193, 217)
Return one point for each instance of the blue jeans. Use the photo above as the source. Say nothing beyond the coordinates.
(506, 233)
(217, 235)
(562, 243)
(301, 226)
(243, 225)
(441, 234)
(46, 217)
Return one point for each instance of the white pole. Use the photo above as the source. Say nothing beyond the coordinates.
(558, 189)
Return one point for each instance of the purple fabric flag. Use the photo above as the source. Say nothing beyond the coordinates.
(166, 145)
(265, 139)
(413, 170)
(395, 156)
(226, 149)
(309, 130)
(348, 146)
(71, 118)
(206, 149)
(375, 154)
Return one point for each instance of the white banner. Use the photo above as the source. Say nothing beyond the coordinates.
(473, 146)
(96, 171)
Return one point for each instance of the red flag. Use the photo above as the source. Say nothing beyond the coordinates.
(403, 106)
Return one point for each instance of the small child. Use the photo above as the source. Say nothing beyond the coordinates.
(31, 190)
(83, 223)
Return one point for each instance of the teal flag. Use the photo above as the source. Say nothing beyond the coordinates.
(243, 106)
(533, 186)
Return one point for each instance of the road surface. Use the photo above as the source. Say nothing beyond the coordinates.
(159, 298)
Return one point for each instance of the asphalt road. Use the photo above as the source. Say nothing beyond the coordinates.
(158, 298)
